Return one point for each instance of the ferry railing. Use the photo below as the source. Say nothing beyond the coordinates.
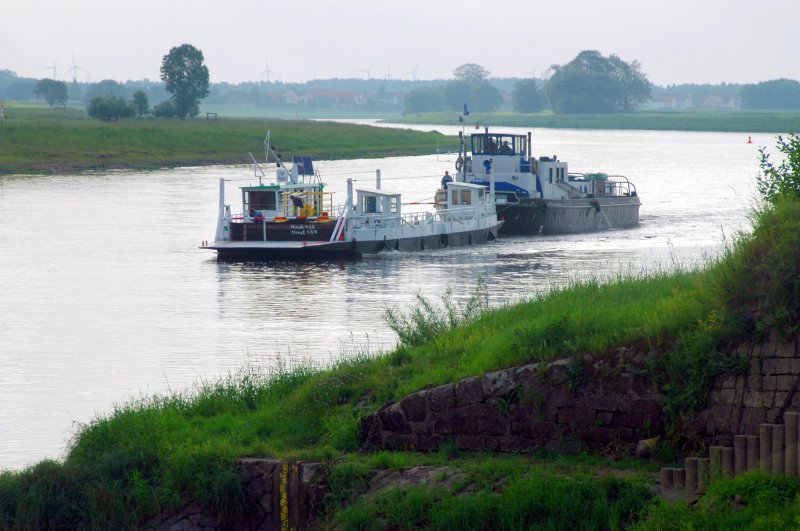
(314, 203)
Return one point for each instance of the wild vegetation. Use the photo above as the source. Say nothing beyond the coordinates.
(156, 452)
(743, 121)
(35, 139)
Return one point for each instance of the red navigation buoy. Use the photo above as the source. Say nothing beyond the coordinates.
(749, 140)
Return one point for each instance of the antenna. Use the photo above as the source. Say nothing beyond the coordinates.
(389, 71)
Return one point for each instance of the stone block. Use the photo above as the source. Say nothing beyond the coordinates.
(647, 407)
(469, 391)
(609, 402)
(414, 407)
(392, 420)
(463, 426)
(470, 443)
(395, 441)
(604, 417)
(442, 397)
(598, 434)
(754, 381)
(496, 384)
(516, 428)
(769, 382)
(539, 430)
(421, 428)
(628, 420)
(430, 443)
(493, 426)
(569, 415)
(786, 382)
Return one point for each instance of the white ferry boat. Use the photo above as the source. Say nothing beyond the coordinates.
(540, 195)
(294, 217)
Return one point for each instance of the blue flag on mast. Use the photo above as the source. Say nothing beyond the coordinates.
(466, 111)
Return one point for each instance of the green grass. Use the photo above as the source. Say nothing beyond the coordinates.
(494, 493)
(754, 501)
(38, 139)
(743, 121)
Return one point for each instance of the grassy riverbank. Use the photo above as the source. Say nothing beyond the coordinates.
(157, 452)
(41, 140)
(723, 121)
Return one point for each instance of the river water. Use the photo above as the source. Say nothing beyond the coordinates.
(105, 295)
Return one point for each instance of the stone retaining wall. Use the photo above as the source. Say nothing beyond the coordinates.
(740, 404)
(562, 405)
(277, 495)
(584, 402)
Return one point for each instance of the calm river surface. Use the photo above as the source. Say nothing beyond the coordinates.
(105, 295)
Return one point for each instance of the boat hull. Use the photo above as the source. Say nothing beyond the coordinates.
(311, 250)
(568, 216)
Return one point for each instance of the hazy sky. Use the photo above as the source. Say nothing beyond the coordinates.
(678, 41)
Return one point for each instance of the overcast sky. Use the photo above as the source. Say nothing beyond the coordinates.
(677, 41)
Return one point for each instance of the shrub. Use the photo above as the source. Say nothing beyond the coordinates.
(110, 108)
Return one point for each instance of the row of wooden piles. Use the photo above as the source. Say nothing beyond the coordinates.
(774, 450)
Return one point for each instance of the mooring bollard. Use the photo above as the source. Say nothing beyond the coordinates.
(765, 447)
(739, 454)
(715, 455)
(778, 452)
(726, 459)
(666, 478)
(702, 474)
(679, 478)
(790, 420)
(752, 453)
(690, 464)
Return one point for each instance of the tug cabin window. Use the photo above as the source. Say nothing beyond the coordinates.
(489, 144)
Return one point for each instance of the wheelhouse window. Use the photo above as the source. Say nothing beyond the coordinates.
(394, 202)
(260, 200)
(370, 204)
(466, 197)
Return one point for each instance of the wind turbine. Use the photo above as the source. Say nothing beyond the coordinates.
(368, 70)
(53, 67)
(413, 73)
(388, 71)
(74, 69)
(267, 71)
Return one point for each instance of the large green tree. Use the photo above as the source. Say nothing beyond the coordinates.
(186, 76)
(594, 83)
(54, 92)
(527, 96)
(774, 94)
